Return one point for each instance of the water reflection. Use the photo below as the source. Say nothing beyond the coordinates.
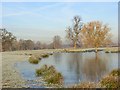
(75, 64)
(57, 58)
(86, 67)
(75, 67)
(94, 68)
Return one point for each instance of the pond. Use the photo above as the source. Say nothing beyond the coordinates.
(75, 67)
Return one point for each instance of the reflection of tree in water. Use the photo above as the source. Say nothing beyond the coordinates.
(75, 64)
(83, 66)
(57, 57)
(94, 68)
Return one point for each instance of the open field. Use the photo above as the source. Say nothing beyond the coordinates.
(11, 77)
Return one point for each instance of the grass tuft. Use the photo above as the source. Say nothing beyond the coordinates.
(110, 82)
(33, 60)
(50, 75)
(115, 72)
(45, 55)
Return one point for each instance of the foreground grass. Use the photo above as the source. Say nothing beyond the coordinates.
(85, 85)
(50, 75)
(11, 77)
(111, 80)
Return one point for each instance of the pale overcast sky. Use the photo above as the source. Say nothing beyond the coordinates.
(42, 20)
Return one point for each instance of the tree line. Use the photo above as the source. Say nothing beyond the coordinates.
(10, 43)
(92, 34)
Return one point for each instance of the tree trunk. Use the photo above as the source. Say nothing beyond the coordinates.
(75, 44)
(96, 55)
(96, 51)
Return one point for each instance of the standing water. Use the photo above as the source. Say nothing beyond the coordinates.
(75, 67)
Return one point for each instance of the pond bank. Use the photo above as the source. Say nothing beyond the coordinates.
(10, 75)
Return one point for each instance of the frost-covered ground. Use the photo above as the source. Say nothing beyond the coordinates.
(10, 76)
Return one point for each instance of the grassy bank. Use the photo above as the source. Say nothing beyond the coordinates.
(11, 77)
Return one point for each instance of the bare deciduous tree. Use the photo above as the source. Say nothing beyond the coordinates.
(38, 45)
(26, 44)
(95, 34)
(7, 39)
(57, 42)
(73, 33)
(15, 45)
(29, 44)
(44, 46)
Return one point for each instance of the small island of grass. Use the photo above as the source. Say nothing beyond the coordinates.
(50, 75)
(33, 60)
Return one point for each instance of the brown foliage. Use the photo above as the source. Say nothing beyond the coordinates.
(95, 34)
